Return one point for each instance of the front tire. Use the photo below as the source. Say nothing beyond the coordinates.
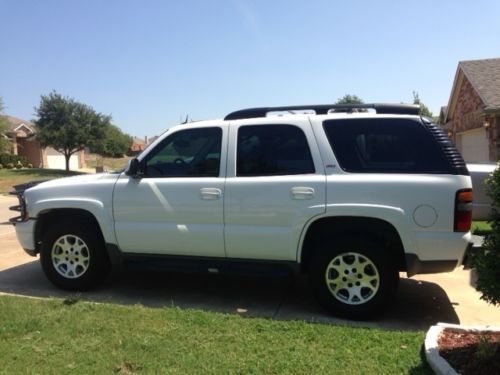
(353, 278)
(73, 256)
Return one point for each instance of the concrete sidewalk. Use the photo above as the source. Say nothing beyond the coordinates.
(421, 302)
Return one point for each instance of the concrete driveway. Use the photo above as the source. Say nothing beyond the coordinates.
(421, 302)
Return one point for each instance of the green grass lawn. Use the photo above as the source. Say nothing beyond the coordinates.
(11, 177)
(480, 228)
(56, 336)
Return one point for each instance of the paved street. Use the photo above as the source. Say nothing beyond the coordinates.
(421, 302)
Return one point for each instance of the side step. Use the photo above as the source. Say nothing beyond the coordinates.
(210, 265)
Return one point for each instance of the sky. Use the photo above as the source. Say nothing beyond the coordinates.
(151, 63)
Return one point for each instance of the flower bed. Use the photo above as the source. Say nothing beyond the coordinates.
(452, 349)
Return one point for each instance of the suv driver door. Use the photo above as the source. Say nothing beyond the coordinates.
(176, 206)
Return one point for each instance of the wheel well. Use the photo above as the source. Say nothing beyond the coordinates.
(329, 228)
(48, 218)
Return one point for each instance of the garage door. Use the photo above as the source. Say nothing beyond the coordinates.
(56, 160)
(473, 145)
(59, 162)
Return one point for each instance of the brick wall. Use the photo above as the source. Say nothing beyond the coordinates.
(494, 138)
(468, 109)
(81, 159)
(32, 150)
(469, 115)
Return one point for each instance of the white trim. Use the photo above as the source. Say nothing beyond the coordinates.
(455, 87)
(26, 126)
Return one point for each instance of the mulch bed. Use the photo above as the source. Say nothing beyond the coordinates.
(471, 352)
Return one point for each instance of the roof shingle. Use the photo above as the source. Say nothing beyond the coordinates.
(15, 122)
(484, 76)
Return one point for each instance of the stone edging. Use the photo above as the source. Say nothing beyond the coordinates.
(438, 364)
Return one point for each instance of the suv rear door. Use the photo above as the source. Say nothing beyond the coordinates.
(275, 184)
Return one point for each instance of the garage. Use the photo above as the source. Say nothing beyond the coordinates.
(56, 160)
(473, 145)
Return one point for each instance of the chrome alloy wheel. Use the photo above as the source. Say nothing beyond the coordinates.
(70, 256)
(352, 278)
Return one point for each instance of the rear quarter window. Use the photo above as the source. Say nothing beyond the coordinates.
(387, 145)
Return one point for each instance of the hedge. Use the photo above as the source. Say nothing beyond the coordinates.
(487, 261)
(8, 158)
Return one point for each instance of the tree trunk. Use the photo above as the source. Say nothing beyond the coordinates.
(67, 157)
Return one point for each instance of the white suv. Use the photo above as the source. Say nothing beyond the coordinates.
(349, 197)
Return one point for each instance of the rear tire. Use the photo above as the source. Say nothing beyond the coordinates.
(73, 256)
(353, 278)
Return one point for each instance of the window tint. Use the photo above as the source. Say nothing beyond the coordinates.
(271, 150)
(385, 146)
(187, 153)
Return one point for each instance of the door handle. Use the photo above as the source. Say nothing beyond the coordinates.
(210, 193)
(301, 192)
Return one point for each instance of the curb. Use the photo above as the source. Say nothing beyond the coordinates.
(438, 364)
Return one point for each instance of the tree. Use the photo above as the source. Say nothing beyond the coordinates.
(115, 143)
(67, 125)
(424, 110)
(487, 260)
(351, 99)
(4, 127)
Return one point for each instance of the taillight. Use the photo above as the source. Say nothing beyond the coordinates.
(463, 210)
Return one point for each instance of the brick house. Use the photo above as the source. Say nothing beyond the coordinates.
(472, 116)
(137, 146)
(21, 134)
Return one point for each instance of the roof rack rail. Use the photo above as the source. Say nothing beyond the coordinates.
(323, 109)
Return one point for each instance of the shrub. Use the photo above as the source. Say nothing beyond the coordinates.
(4, 159)
(1, 166)
(19, 159)
(487, 261)
(10, 166)
(19, 165)
(29, 165)
(14, 159)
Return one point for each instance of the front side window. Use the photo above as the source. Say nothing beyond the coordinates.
(187, 153)
(384, 146)
(272, 150)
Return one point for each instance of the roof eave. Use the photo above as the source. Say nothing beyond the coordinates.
(491, 110)
(452, 94)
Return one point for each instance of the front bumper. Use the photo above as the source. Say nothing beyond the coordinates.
(25, 227)
(25, 232)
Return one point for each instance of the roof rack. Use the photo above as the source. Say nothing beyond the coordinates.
(323, 109)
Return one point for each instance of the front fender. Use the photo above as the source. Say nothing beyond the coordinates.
(103, 215)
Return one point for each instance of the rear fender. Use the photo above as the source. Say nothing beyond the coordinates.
(392, 215)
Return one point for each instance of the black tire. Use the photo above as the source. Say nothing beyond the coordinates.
(345, 298)
(79, 261)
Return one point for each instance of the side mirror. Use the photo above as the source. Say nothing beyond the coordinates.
(134, 169)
